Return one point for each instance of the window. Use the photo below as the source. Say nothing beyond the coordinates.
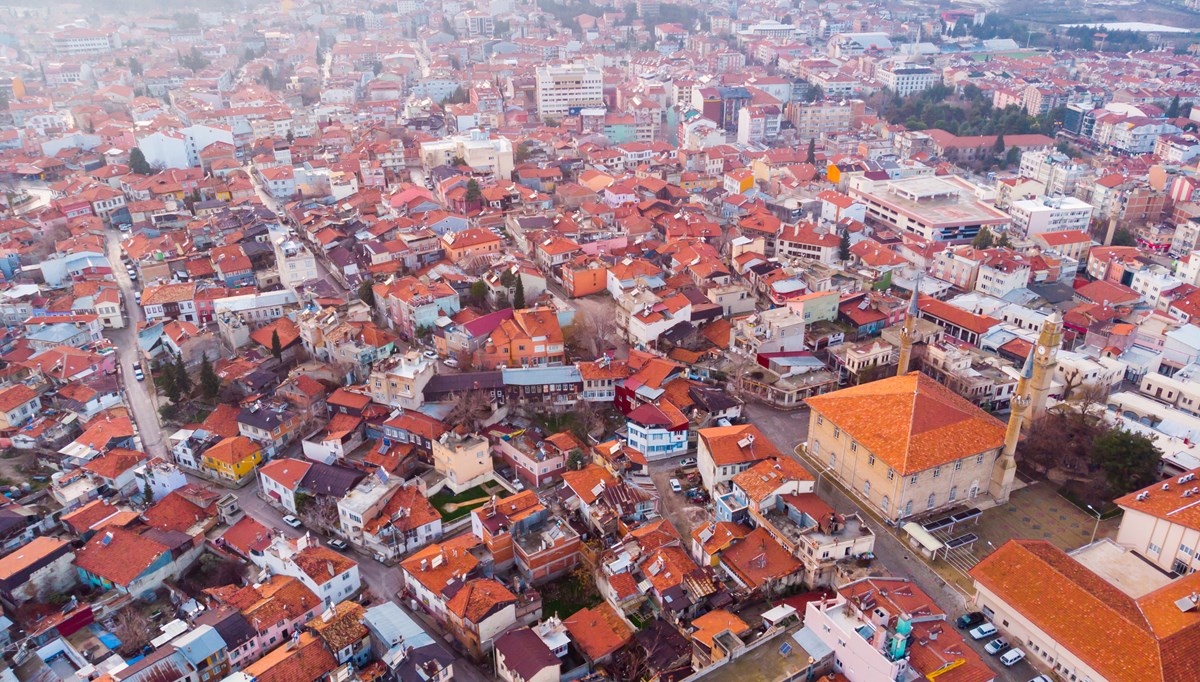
(820, 420)
(884, 503)
(867, 488)
(929, 504)
(833, 459)
(954, 493)
(1155, 549)
(891, 474)
(908, 508)
(1185, 549)
(854, 447)
(937, 472)
(912, 480)
(837, 433)
(979, 458)
(958, 465)
(870, 460)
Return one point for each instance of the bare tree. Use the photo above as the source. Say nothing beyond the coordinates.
(321, 513)
(596, 326)
(470, 410)
(588, 420)
(134, 630)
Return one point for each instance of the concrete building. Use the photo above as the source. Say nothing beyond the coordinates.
(1050, 214)
(483, 153)
(564, 90)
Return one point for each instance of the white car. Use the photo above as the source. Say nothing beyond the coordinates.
(292, 521)
(675, 485)
(996, 646)
(430, 354)
(983, 631)
(138, 374)
(450, 362)
(1012, 657)
(687, 461)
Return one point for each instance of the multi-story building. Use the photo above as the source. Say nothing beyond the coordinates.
(483, 153)
(564, 90)
(1050, 214)
(1058, 172)
(905, 79)
(934, 208)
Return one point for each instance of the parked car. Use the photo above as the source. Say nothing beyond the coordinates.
(430, 354)
(339, 544)
(450, 362)
(675, 487)
(1041, 678)
(997, 646)
(124, 227)
(1012, 657)
(687, 462)
(983, 631)
(969, 620)
(137, 296)
(292, 521)
(138, 373)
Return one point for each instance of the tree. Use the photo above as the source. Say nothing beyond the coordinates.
(458, 161)
(320, 513)
(844, 245)
(983, 239)
(138, 163)
(276, 347)
(575, 460)
(519, 294)
(1129, 460)
(478, 294)
(366, 292)
(998, 145)
(1004, 241)
(147, 493)
(474, 194)
(181, 376)
(267, 78)
(1123, 237)
(210, 383)
(1173, 107)
(469, 410)
(135, 67)
(812, 150)
(134, 630)
(169, 385)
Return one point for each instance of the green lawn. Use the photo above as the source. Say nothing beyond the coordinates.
(475, 497)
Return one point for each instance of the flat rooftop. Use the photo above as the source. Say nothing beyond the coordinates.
(1120, 567)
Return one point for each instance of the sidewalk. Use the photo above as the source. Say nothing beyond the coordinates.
(892, 550)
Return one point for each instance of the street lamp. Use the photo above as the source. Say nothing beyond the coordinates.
(1097, 526)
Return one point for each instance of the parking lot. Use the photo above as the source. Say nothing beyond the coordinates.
(676, 507)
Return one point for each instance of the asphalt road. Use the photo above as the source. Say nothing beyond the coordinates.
(383, 581)
(138, 394)
(789, 429)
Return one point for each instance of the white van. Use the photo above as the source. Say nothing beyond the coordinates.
(1012, 657)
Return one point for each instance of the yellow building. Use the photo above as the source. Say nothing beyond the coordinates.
(465, 461)
(907, 445)
(233, 458)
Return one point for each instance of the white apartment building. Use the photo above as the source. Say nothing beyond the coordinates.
(482, 153)
(1046, 214)
(563, 89)
(904, 79)
(1152, 283)
(1058, 172)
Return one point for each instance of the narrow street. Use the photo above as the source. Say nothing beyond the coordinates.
(383, 581)
(790, 429)
(138, 397)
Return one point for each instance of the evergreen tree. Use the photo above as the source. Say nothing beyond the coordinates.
(138, 163)
(181, 376)
(366, 292)
(983, 239)
(519, 295)
(812, 150)
(276, 348)
(1173, 107)
(169, 385)
(210, 383)
(473, 192)
(998, 146)
(844, 245)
